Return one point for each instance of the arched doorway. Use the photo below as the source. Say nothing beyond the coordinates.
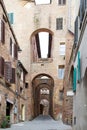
(44, 107)
(43, 94)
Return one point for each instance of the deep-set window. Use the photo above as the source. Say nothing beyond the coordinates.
(13, 49)
(59, 23)
(61, 2)
(61, 70)
(62, 48)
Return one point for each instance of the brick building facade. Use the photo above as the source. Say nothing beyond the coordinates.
(11, 100)
(45, 75)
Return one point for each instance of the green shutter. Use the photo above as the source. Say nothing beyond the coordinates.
(11, 18)
(79, 68)
(74, 79)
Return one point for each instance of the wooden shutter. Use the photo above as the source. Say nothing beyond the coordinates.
(13, 75)
(2, 31)
(86, 3)
(50, 45)
(76, 31)
(59, 2)
(23, 76)
(64, 2)
(50, 1)
(38, 45)
(74, 80)
(11, 17)
(8, 71)
(79, 67)
(80, 12)
(15, 51)
(1, 66)
(59, 23)
(10, 46)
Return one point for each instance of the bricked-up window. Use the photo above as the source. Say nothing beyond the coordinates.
(59, 23)
(1, 66)
(61, 69)
(2, 31)
(8, 71)
(61, 2)
(13, 75)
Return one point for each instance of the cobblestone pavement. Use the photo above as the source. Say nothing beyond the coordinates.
(40, 123)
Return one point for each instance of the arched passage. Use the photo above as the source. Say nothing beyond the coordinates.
(43, 94)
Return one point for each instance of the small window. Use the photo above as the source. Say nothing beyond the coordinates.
(10, 46)
(8, 71)
(59, 23)
(26, 85)
(1, 66)
(62, 49)
(2, 31)
(11, 17)
(61, 2)
(61, 70)
(22, 76)
(61, 95)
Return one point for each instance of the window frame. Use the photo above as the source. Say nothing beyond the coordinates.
(62, 49)
(61, 2)
(59, 23)
(61, 69)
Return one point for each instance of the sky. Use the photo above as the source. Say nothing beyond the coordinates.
(43, 36)
(42, 1)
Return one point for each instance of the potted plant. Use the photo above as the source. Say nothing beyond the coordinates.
(6, 122)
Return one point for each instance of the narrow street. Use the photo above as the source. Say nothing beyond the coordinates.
(40, 123)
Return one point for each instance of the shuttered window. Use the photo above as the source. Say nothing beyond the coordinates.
(59, 23)
(15, 51)
(23, 77)
(1, 66)
(10, 46)
(2, 31)
(74, 79)
(76, 30)
(79, 67)
(61, 2)
(13, 75)
(83, 6)
(11, 17)
(8, 71)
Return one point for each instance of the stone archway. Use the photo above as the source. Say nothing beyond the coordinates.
(42, 94)
(38, 39)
